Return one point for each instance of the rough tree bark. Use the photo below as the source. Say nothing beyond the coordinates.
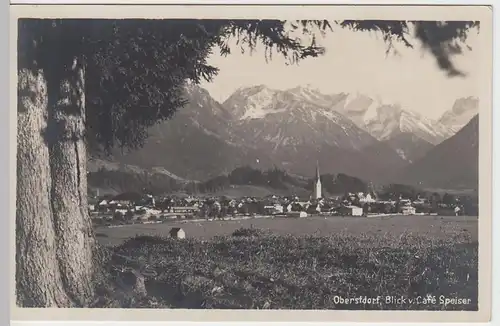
(54, 238)
(38, 278)
(68, 163)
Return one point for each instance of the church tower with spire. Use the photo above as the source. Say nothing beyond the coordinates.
(317, 184)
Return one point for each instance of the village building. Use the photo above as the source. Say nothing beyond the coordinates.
(102, 204)
(185, 209)
(314, 208)
(404, 202)
(408, 210)
(126, 199)
(93, 204)
(273, 209)
(420, 201)
(150, 200)
(296, 214)
(141, 217)
(366, 199)
(304, 204)
(350, 210)
(406, 207)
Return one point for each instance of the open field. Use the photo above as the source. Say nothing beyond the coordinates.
(434, 227)
(425, 262)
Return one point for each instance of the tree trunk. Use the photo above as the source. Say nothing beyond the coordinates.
(54, 238)
(68, 163)
(38, 278)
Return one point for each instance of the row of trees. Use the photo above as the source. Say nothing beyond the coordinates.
(274, 178)
(395, 191)
(157, 183)
(280, 180)
(125, 181)
(341, 183)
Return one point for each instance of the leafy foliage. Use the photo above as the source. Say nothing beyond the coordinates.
(248, 232)
(442, 38)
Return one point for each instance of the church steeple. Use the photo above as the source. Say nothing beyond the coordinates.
(317, 184)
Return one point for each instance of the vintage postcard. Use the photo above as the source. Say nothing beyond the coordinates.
(253, 163)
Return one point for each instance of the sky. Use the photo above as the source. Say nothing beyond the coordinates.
(410, 78)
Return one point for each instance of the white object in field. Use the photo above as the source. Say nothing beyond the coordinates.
(177, 233)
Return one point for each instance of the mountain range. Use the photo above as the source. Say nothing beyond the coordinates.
(297, 132)
(294, 130)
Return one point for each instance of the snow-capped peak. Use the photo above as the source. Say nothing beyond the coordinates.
(251, 102)
(463, 110)
(257, 104)
(307, 92)
(371, 113)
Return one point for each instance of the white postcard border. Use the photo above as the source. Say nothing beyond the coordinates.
(353, 12)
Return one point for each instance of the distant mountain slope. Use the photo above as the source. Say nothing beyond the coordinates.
(409, 146)
(463, 110)
(197, 143)
(453, 164)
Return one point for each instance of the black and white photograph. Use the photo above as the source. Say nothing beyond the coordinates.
(251, 163)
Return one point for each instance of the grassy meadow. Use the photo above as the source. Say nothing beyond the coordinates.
(311, 263)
